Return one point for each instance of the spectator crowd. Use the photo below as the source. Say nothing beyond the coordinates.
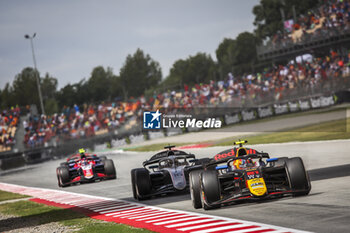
(274, 84)
(9, 120)
(331, 18)
(277, 83)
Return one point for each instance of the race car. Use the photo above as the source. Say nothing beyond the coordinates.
(242, 174)
(165, 172)
(84, 168)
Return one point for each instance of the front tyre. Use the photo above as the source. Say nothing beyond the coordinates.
(195, 188)
(210, 189)
(133, 184)
(63, 176)
(142, 183)
(298, 176)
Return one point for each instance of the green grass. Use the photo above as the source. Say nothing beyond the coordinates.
(41, 214)
(331, 130)
(4, 196)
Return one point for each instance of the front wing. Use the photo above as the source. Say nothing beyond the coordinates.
(249, 197)
(82, 179)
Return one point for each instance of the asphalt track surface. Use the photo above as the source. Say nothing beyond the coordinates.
(326, 209)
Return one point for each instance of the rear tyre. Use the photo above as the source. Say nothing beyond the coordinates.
(142, 183)
(298, 176)
(110, 169)
(210, 189)
(195, 188)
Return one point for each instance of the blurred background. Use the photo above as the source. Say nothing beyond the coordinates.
(80, 74)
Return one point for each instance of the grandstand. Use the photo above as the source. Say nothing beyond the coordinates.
(323, 28)
(326, 29)
(9, 120)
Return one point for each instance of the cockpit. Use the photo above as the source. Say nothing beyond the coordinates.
(172, 162)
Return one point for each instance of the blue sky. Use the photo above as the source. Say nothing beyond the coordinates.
(73, 37)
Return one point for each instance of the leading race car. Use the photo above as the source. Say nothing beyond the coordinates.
(84, 168)
(165, 172)
(242, 173)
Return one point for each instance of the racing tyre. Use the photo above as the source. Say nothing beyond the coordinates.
(133, 185)
(142, 183)
(102, 157)
(298, 176)
(195, 188)
(210, 189)
(110, 169)
(63, 176)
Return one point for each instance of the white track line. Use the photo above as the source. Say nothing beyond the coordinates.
(166, 218)
(202, 226)
(189, 223)
(225, 228)
(126, 207)
(153, 213)
(177, 220)
(126, 212)
(253, 230)
(159, 216)
(161, 219)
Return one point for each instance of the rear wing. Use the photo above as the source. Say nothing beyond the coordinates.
(257, 155)
(153, 161)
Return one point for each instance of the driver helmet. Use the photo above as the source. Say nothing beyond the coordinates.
(169, 163)
(82, 153)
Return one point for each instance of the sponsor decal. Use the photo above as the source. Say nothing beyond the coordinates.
(231, 119)
(315, 102)
(265, 112)
(248, 115)
(257, 186)
(281, 108)
(293, 106)
(304, 105)
(326, 101)
(230, 153)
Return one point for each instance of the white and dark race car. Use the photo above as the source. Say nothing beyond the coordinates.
(243, 174)
(165, 172)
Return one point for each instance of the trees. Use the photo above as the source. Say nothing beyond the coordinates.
(99, 84)
(48, 90)
(139, 73)
(7, 97)
(24, 91)
(24, 88)
(224, 55)
(193, 70)
(245, 52)
(236, 55)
